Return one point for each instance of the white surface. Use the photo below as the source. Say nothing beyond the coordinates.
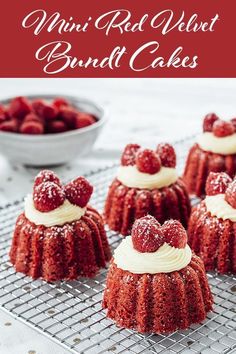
(140, 110)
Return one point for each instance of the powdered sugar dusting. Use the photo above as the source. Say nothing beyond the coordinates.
(217, 183)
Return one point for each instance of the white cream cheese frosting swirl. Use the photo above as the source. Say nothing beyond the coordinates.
(217, 206)
(165, 260)
(131, 177)
(224, 146)
(65, 213)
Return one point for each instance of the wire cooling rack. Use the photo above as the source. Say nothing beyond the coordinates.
(70, 312)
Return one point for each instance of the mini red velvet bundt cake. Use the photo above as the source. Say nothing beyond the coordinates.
(214, 152)
(212, 225)
(155, 284)
(146, 183)
(59, 236)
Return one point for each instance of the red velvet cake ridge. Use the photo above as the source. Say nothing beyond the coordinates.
(217, 183)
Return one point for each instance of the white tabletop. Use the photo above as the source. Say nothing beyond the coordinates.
(140, 110)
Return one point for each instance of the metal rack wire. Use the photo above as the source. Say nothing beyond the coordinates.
(70, 312)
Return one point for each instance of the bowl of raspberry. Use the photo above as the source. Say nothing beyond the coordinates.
(46, 130)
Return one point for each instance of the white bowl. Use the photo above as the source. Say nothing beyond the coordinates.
(53, 149)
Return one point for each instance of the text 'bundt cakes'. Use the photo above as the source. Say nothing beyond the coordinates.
(155, 284)
(212, 225)
(59, 236)
(215, 151)
(146, 183)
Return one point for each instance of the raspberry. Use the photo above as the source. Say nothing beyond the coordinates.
(32, 117)
(174, 233)
(2, 118)
(37, 106)
(60, 102)
(84, 120)
(208, 122)
(48, 196)
(222, 128)
(79, 191)
(32, 128)
(9, 126)
(56, 126)
(148, 161)
(147, 235)
(44, 110)
(69, 116)
(128, 157)
(217, 182)
(230, 194)
(46, 176)
(233, 120)
(167, 155)
(19, 107)
(2, 114)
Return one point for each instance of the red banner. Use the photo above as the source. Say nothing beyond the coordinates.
(117, 38)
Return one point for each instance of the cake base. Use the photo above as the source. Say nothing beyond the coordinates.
(124, 205)
(78, 249)
(213, 239)
(159, 303)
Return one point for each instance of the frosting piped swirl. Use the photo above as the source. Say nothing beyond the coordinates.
(165, 260)
(65, 213)
(131, 177)
(224, 145)
(217, 206)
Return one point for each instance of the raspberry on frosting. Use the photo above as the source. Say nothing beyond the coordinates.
(48, 196)
(79, 191)
(174, 233)
(217, 183)
(230, 194)
(46, 176)
(167, 154)
(148, 161)
(222, 128)
(147, 235)
(128, 157)
(208, 122)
